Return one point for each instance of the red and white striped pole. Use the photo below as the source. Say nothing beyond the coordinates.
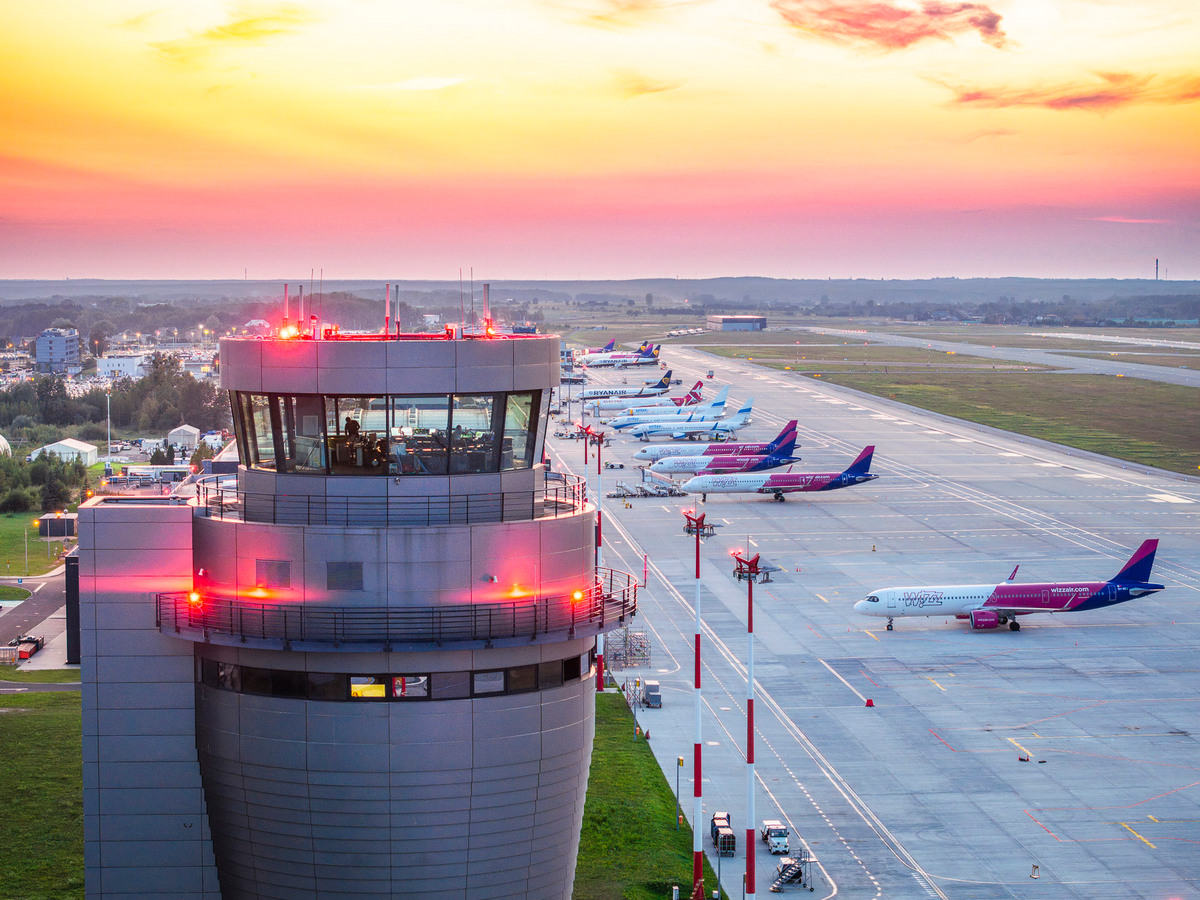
(599, 552)
(751, 843)
(696, 525)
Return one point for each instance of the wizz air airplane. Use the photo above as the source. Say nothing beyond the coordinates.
(618, 359)
(992, 605)
(607, 348)
(782, 483)
(656, 452)
(626, 393)
(727, 465)
(625, 405)
(679, 430)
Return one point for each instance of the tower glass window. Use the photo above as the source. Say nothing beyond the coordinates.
(395, 434)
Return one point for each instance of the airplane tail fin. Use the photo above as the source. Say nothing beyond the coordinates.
(694, 395)
(742, 416)
(664, 382)
(787, 447)
(608, 348)
(1139, 565)
(862, 465)
(1014, 572)
(788, 430)
(722, 394)
(651, 352)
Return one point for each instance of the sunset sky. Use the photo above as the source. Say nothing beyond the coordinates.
(594, 139)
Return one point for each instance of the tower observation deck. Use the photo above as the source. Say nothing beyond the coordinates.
(366, 668)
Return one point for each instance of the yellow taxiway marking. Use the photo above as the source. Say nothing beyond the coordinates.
(1136, 835)
(1152, 819)
(872, 634)
(938, 686)
(1014, 742)
(823, 600)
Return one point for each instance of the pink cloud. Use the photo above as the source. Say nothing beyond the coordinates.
(887, 26)
(1112, 91)
(1125, 220)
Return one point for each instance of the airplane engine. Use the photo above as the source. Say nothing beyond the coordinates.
(984, 618)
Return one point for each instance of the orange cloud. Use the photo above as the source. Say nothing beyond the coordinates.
(250, 25)
(631, 84)
(1113, 90)
(625, 13)
(887, 26)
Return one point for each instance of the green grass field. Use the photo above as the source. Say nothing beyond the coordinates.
(858, 355)
(1144, 422)
(41, 780)
(17, 532)
(629, 850)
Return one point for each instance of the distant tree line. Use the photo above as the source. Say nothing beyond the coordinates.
(164, 399)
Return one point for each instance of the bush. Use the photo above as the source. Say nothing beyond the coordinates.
(18, 500)
(93, 431)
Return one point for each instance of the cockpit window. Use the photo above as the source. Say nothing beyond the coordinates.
(872, 599)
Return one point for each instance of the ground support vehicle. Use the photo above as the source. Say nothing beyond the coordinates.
(775, 835)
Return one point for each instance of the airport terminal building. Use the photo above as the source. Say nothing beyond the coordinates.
(365, 668)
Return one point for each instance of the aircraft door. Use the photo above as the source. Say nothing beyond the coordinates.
(891, 601)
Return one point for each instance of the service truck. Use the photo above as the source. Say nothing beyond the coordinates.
(775, 835)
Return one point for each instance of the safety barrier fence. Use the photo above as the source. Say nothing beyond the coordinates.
(603, 605)
(561, 495)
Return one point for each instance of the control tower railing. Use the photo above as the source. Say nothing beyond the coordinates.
(240, 621)
(560, 495)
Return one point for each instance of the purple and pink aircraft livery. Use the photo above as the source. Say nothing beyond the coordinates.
(858, 472)
(993, 605)
(656, 452)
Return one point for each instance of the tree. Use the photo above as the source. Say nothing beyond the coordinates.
(203, 451)
(54, 406)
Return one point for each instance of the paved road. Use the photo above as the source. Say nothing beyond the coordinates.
(49, 596)
(1066, 361)
(32, 687)
(924, 793)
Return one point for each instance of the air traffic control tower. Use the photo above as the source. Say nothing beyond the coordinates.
(366, 668)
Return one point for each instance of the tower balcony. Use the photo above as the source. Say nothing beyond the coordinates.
(248, 622)
(559, 495)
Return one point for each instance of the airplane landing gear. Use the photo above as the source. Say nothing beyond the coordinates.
(779, 496)
(704, 498)
(889, 628)
(1014, 625)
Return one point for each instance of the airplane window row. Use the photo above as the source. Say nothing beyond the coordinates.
(392, 434)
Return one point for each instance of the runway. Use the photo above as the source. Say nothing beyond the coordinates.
(925, 794)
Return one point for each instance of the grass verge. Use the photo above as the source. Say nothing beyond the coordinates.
(19, 531)
(41, 780)
(630, 848)
(1144, 422)
(39, 676)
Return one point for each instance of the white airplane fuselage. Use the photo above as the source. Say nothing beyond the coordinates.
(684, 414)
